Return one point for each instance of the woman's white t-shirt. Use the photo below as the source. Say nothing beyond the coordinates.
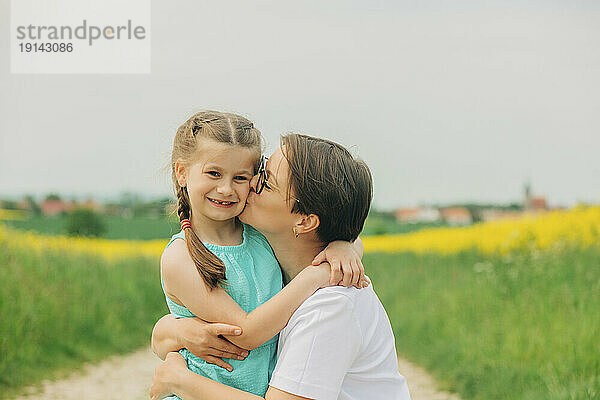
(339, 344)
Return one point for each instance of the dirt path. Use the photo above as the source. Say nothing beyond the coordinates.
(128, 377)
(420, 384)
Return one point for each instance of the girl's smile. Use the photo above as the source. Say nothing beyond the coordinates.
(224, 204)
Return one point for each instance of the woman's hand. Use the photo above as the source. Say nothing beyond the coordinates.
(166, 374)
(346, 265)
(203, 339)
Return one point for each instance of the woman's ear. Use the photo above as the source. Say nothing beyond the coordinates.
(307, 223)
(180, 173)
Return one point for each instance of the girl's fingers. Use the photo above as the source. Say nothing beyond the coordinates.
(348, 275)
(365, 282)
(362, 269)
(361, 272)
(355, 273)
(319, 258)
(336, 272)
(218, 362)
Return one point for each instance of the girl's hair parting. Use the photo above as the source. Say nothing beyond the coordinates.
(224, 128)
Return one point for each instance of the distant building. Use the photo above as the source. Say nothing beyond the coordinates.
(539, 204)
(24, 205)
(90, 204)
(54, 207)
(415, 215)
(531, 203)
(494, 215)
(457, 216)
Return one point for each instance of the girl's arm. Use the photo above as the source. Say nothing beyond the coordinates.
(358, 247)
(162, 341)
(184, 285)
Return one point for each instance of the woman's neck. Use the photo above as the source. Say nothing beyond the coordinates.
(224, 233)
(294, 254)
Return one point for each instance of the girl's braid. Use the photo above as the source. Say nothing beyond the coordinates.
(183, 208)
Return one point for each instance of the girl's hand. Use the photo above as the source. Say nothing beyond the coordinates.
(204, 340)
(165, 375)
(321, 274)
(346, 266)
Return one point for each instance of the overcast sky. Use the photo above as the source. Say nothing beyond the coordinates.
(445, 102)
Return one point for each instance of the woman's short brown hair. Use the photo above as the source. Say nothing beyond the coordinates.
(326, 180)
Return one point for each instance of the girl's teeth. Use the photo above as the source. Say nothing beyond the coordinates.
(222, 202)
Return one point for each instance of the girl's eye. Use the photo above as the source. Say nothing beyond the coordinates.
(214, 173)
(240, 178)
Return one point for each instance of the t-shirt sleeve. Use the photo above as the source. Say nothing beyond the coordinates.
(321, 341)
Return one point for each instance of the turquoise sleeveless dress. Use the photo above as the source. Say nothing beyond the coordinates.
(253, 277)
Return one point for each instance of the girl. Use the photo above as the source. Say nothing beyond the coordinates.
(223, 270)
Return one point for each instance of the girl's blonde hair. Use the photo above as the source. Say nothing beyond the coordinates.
(224, 128)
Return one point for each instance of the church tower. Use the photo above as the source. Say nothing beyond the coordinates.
(528, 200)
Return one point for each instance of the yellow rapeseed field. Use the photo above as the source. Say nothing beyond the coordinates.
(579, 226)
(11, 214)
(110, 249)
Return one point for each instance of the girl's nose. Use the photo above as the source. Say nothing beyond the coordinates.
(225, 189)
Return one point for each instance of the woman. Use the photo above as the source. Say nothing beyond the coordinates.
(339, 344)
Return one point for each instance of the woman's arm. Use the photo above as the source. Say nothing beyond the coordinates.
(199, 337)
(173, 377)
(184, 285)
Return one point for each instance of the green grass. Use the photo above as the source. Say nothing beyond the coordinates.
(135, 228)
(60, 310)
(378, 225)
(524, 326)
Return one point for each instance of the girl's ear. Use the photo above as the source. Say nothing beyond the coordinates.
(307, 223)
(180, 172)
